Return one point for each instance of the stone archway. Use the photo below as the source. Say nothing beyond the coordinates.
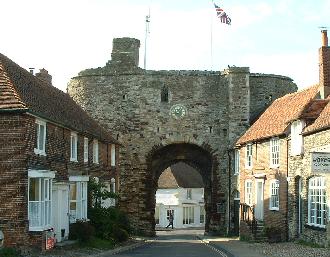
(196, 156)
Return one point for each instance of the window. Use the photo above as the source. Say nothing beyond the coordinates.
(189, 193)
(78, 198)
(41, 138)
(248, 192)
(95, 151)
(317, 202)
(248, 156)
(188, 215)
(274, 202)
(157, 215)
(296, 137)
(85, 149)
(74, 143)
(274, 152)
(113, 155)
(202, 215)
(164, 94)
(40, 199)
(236, 164)
(110, 187)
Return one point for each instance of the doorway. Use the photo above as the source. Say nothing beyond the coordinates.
(259, 209)
(60, 211)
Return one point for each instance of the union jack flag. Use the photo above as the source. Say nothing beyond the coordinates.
(222, 15)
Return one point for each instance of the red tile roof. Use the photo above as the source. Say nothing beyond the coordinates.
(321, 123)
(21, 90)
(275, 120)
(180, 175)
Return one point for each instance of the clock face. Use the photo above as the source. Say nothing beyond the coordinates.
(178, 111)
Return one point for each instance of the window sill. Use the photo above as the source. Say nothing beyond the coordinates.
(39, 229)
(274, 209)
(236, 174)
(38, 152)
(316, 227)
(73, 160)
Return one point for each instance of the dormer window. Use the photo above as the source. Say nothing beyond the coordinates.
(248, 163)
(296, 137)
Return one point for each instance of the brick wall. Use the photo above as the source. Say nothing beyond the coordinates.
(261, 170)
(17, 142)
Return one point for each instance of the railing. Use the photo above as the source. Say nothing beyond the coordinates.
(247, 215)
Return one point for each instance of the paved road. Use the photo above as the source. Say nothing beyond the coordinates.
(175, 244)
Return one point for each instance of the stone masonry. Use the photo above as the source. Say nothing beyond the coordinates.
(162, 117)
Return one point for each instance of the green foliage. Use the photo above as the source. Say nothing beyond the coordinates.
(310, 244)
(9, 252)
(245, 238)
(98, 193)
(81, 231)
(110, 223)
(99, 243)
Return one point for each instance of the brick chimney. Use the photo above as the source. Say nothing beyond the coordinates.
(44, 76)
(324, 66)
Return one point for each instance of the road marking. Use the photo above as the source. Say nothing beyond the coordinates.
(206, 243)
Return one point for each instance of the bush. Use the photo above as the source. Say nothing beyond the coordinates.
(81, 231)
(107, 222)
(9, 252)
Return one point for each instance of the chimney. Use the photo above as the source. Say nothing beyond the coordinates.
(31, 70)
(324, 66)
(44, 76)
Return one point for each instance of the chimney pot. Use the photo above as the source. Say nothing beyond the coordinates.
(44, 76)
(31, 70)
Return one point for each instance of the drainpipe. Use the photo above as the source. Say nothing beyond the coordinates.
(229, 190)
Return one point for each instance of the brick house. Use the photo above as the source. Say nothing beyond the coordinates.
(49, 148)
(278, 188)
(309, 165)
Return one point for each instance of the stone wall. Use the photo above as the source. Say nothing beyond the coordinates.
(217, 110)
(300, 168)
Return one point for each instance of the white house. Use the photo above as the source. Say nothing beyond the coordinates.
(180, 192)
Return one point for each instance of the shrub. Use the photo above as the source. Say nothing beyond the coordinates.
(119, 234)
(9, 252)
(81, 231)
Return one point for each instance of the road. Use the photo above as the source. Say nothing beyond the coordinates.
(175, 244)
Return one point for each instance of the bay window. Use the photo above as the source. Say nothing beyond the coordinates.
(40, 199)
(78, 198)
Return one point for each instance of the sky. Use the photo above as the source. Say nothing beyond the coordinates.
(66, 36)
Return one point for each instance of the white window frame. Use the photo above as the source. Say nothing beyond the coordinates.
(202, 214)
(41, 146)
(188, 215)
(189, 193)
(297, 141)
(249, 155)
(74, 147)
(317, 197)
(236, 161)
(274, 150)
(95, 151)
(80, 200)
(248, 192)
(40, 210)
(113, 155)
(274, 195)
(85, 149)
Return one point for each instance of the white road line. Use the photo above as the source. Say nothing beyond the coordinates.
(206, 243)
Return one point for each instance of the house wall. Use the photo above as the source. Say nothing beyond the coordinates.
(261, 170)
(18, 140)
(300, 167)
(175, 199)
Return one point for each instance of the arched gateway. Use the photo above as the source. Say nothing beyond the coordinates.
(163, 117)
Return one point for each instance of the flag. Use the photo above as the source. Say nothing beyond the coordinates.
(222, 15)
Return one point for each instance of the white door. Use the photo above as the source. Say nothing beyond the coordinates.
(60, 211)
(259, 209)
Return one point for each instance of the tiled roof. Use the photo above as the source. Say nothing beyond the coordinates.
(275, 120)
(322, 122)
(9, 99)
(24, 90)
(180, 175)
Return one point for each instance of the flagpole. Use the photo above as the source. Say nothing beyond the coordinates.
(145, 39)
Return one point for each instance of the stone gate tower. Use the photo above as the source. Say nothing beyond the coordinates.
(163, 117)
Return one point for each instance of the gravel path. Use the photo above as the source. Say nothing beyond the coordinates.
(290, 249)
